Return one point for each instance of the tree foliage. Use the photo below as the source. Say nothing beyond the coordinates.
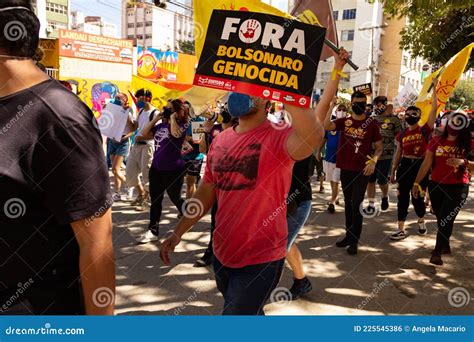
(187, 46)
(437, 29)
(463, 96)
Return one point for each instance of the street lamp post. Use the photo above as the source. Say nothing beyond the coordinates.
(373, 65)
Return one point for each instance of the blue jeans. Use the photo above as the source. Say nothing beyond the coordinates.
(296, 221)
(247, 289)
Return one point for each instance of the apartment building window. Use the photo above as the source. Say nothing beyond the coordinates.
(139, 24)
(56, 8)
(148, 36)
(335, 15)
(54, 25)
(130, 13)
(148, 11)
(349, 14)
(130, 36)
(405, 61)
(402, 80)
(149, 23)
(347, 35)
(140, 36)
(131, 25)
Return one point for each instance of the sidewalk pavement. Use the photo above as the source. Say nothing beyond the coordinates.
(386, 277)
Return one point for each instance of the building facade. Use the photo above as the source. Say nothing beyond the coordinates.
(152, 26)
(398, 67)
(93, 25)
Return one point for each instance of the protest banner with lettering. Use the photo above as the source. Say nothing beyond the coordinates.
(365, 88)
(261, 55)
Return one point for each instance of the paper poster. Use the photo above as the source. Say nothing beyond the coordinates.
(112, 121)
(198, 130)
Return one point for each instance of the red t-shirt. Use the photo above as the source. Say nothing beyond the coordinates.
(415, 142)
(251, 173)
(441, 172)
(355, 144)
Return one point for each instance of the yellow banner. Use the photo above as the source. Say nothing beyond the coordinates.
(160, 93)
(448, 80)
(203, 10)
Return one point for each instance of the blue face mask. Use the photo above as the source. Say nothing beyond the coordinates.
(141, 104)
(116, 102)
(239, 104)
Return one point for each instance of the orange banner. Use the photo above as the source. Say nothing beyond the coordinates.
(97, 48)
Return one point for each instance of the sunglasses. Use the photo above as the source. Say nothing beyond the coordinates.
(415, 114)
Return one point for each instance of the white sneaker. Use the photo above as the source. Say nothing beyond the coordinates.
(147, 237)
(130, 194)
(398, 235)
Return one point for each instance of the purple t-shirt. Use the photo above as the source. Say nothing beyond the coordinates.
(167, 155)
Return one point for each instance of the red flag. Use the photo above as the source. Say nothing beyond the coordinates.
(318, 12)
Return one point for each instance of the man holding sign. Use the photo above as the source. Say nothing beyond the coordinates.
(249, 169)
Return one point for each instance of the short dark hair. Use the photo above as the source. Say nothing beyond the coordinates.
(19, 29)
(415, 108)
(143, 92)
(380, 99)
(358, 95)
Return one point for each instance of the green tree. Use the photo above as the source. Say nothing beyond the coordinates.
(463, 96)
(186, 46)
(437, 29)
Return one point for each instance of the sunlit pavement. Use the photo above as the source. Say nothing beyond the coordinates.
(386, 277)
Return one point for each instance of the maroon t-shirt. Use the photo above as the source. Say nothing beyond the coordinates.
(415, 142)
(355, 144)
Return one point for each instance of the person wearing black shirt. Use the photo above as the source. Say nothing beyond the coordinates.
(298, 210)
(56, 254)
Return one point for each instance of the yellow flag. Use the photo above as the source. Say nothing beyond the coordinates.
(160, 93)
(448, 80)
(203, 11)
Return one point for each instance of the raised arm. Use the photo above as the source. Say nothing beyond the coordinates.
(434, 106)
(331, 87)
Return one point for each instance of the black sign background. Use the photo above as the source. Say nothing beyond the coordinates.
(314, 40)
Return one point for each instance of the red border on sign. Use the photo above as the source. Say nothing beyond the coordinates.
(253, 90)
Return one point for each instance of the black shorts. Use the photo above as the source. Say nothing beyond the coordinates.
(193, 167)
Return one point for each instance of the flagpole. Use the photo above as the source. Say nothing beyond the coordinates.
(337, 50)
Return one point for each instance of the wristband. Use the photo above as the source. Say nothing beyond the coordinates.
(422, 193)
(371, 160)
(336, 72)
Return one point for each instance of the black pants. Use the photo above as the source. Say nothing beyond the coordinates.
(354, 185)
(213, 227)
(446, 201)
(406, 175)
(247, 289)
(161, 181)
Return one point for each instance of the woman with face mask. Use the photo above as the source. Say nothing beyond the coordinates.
(411, 147)
(119, 149)
(449, 157)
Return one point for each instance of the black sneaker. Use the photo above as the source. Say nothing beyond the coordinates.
(436, 258)
(352, 250)
(384, 205)
(300, 287)
(343, 243)
(398, 235)
(206, 260)
(331, 208)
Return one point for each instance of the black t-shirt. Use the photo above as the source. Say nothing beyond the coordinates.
(300, 189)
(52, 173)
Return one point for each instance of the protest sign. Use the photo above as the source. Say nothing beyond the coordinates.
(261, 55)
(197, 129)
(365, 88)
(406, 97)
(112, 121)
